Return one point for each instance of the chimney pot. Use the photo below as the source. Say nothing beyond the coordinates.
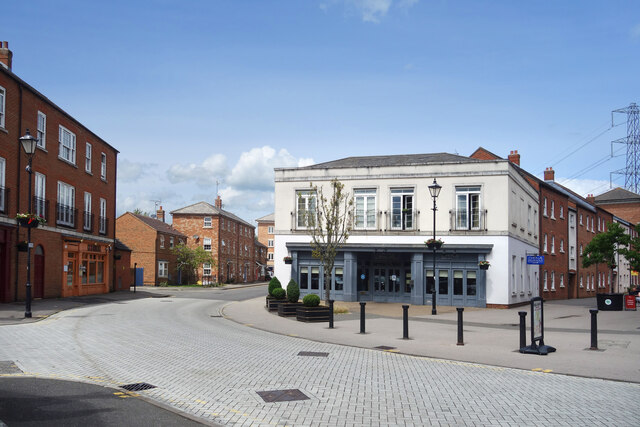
(160, 214)
(549, 174)
(514, 157)
(6, 55)
(219, 202)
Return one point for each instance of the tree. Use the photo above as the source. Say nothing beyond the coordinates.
(604, 247)
(328, 223)
(632, 253)
(188, 260)
(139, 211)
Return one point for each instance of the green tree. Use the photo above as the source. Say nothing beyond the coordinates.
(632, 253)
(139, 211)
(604, 247)
(188, 260)
(329, 225)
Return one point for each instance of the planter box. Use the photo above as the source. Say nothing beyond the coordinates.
(313, 314)
(287, 309)
(609, 302)
(484, 266)
(272, 303)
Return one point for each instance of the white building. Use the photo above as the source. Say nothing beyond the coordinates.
(485, 211)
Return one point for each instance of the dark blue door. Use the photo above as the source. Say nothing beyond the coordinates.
(139, 276)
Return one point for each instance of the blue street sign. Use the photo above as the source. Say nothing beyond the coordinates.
(535, 259)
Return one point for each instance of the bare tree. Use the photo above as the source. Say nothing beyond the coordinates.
(329, 222)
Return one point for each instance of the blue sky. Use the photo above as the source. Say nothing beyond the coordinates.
(193, 92)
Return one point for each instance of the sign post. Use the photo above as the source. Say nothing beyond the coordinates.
(537, 330)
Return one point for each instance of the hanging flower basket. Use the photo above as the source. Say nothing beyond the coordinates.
(484, 265)
(30, 220)
(22, 246)
(434, 243)
(288, 260)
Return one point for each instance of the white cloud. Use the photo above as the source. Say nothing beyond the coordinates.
(206, 173)
(129, 172)
(369, 10)
(585, 186)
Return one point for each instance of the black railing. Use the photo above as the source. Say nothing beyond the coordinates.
(87, 221)
(41, 207)
(104, 223)
(66, 215)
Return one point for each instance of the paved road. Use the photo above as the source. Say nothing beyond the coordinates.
(213, 368)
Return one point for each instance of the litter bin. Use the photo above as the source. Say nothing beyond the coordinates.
(610, 302)
(630, 302)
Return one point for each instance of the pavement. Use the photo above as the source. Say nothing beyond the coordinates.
(491, 336)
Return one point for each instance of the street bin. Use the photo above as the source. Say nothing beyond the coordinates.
(630, 302)
(610, 302)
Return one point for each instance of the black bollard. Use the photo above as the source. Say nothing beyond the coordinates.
(331, 313)
(460, 338)
(523, 330)
(362, 304)
(405, 322)
(594, 329)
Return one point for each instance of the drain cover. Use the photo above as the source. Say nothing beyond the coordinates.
(384, 347)
(282, 395)
(313, 354)
(8, 367)
(137, 386)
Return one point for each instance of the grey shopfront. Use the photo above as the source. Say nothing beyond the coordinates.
(397, 273)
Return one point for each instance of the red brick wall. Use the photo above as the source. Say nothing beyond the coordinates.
(264, 236)
(627, 211)
(123, 273)
(555, 228)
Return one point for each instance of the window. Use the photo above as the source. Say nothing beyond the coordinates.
(553, 245)
(207, 222)
(161, 241)
(468, 208)
(42, 130)
(171, 242)
(580, 249)
(529, 218)
(3, 201)
(87, 159)
(87, 222)
(163, 268)
(553, 209)
(562, 280)
(206, 243)
(306, 208)
(513, 273)
(206, 269)
(553, 280)
(270, 256)
(544, 208)
(103, 216)
(561, 212)
(581, 285)
(3, 95)
(103, 166)
(315, 277)
(270, 229)
(544, 244)
(67, 147)
(39, 200)
(402, 208)
(562, 245)
(365, 200)
(270, 243)
(66, 203)
(544, 283)
(338, 279)
(304, 277)
(580, 219)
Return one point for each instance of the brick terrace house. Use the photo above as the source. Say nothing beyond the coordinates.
(229, 238)
(261, 260)
(568, 222)
(74, 189)
(123, 271)
(151, 241)
(266, 225)
(622, 203)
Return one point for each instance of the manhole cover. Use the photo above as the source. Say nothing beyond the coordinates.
(313, 354)
(137, 386)
(8, 367)
(282, 395)
(384, 347)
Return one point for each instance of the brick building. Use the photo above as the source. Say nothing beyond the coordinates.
(74, 189)
(266, 236)
(151, 242)
(230, 239)
(622, 203)
(123, 271)
(260, 260)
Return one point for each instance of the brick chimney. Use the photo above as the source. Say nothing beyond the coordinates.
(591, 199)
(5, 55)
(218, 202)
(514, 157)
(160, 214)
(549, 174)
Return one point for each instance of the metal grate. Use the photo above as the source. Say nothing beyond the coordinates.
(313, 354)
(282, 395)
(384, 347)
(137, 386)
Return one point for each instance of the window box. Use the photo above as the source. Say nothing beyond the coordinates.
(287, 260)
(434, 243)
(484, 265)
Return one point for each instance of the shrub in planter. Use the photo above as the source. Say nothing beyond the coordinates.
(293, 291)
(311, 300)
(274, 283)
(279, 293)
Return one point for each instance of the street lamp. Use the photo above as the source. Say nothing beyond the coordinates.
(434, 189)
(29, 145)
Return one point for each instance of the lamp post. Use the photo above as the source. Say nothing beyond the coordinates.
(434, 189)
(29, 145)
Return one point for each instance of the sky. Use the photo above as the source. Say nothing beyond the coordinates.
(206, 97)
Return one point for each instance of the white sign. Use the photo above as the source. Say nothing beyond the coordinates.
(394, 277)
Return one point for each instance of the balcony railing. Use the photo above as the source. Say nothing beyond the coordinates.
(87, 221)
(41, 207)
(465, 220)
(66, 215)
(104, 223)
